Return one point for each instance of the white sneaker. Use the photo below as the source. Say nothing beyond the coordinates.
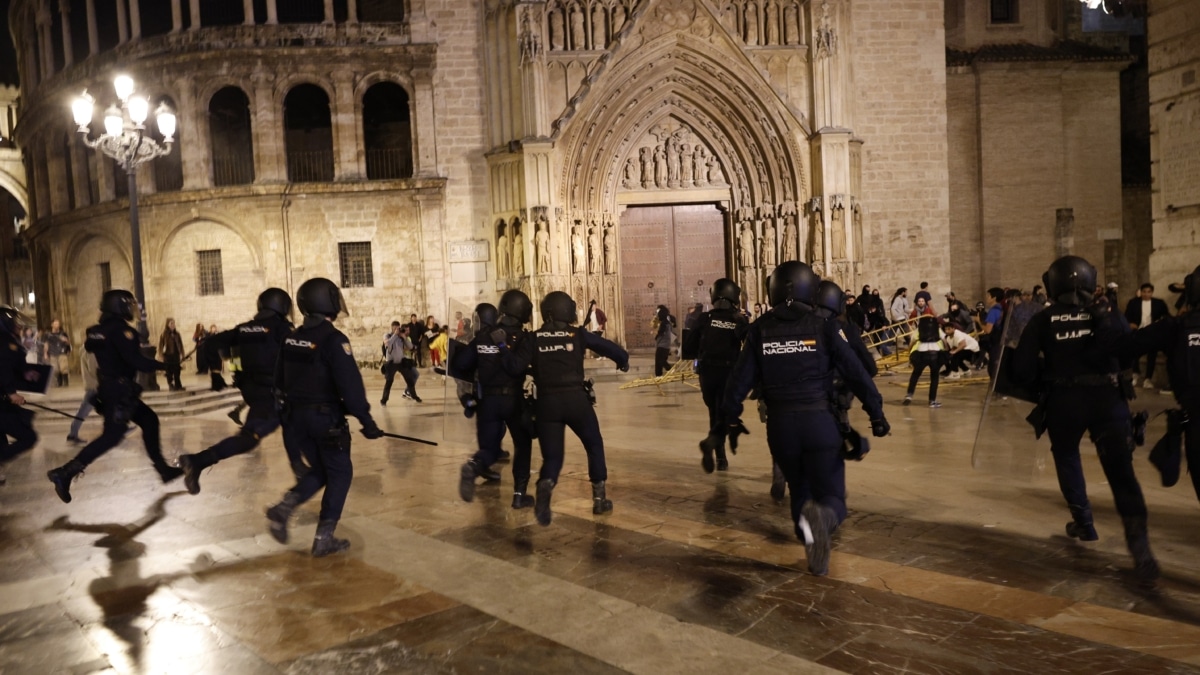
(1134, 379)
(1147, 384)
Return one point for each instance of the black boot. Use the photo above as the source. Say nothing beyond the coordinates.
(466, 479)
(521, 497)
(279, 515)
(1081, 526)
(708, 446)
(722, 460)
(1138, 541)
(778, 484)
(62, 477)
(166, 472)
(541, 506)
(191, 473)
(66, 379)
(820, 520)
(600, 504)
(325, 543)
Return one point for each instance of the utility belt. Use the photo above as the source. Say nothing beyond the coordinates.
(782, 407)
(716, 363)
(317, 408)
(499, 391)
(1119, 381)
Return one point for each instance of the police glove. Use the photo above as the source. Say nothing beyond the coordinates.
(623, 367)
(880, 428)
(372, 432)
(218, 382)
(736, 428)
(498, 336)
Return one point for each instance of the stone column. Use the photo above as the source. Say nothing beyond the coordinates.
(93, 32)
(248, 12)
(56, 168)
(106, 187)
(68, 49)
(351, 11)
(122, 23)
(192, 137)
(328, 11)
(80, 174)
(424, 130)
(41, 183)
(135, 20)
(266, 131)
(195, 10)
(45, 44)
(345, 127)
(433, 248)
(176, 16)
(272, 12)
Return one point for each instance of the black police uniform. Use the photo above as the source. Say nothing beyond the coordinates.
(15, 421)
(258, 343)
(320, 383)
(1083, 393)
(118, 398)
(715, 342)
(792, 354)
(499, 391)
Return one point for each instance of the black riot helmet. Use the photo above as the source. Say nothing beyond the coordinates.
(725, 294)
(119, 302)
(1191, 289)
(792, 281)
(486, 316)
(830, 299)
(558, 306)
(11, 320)
(275, 300)
(320, 297)
(1070, 280)
(514, 303)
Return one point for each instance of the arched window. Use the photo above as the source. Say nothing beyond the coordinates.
(156, 18)
(301, 11)
(381, 11)
(168, 170)
(221, 12)
(387, 132)
(80, 48)
(229, 133)
(308, 134)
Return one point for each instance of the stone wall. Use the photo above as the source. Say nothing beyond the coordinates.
(898, 51)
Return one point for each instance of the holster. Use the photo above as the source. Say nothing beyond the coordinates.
(1125, 383)
(589, 388)
(1037, 417)
(529, 414)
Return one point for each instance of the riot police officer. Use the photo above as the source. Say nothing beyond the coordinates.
(15, 420)
(556, 352)
(118, 398)
(715, 342)
(830, 303)
(1179, 338)
(500, 395)
(257, 342)
(320, 384)
(792, 354)
(1082, 391)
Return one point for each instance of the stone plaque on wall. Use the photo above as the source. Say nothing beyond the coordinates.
(471, 250)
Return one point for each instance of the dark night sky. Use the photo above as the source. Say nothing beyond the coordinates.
(8, 54)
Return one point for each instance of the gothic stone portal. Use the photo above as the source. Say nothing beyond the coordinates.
(670, 255)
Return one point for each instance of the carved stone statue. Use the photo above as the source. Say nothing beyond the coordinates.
(610, 250)
(556, 30)
(660, 167)
(503, 254)
(541, 246)
(518, 253)
(687, 172)
(672, 147)
(599, 38)
(618, 18)
(790, 251)
(837, 232)
(700, 160)
(578, 35)
(646, 155)
(578, 252)
(714, 171)
(746, 247)
(629, 180)
(818, 236)
(791, 23)
(771, 11)
(767, 255)
(594, 248)
(751, 24)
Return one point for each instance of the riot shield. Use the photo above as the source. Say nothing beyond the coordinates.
(1005, 442)
(458, 402)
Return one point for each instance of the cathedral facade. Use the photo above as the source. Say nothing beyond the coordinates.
(433, 153)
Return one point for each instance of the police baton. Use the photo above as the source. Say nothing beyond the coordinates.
(59, 412)
(408, 438)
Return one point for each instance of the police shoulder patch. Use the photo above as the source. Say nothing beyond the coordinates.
(843, 334)
(346, 348)
(129, 334)
(12, 347)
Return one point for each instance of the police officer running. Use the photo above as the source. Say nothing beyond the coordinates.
(715, 341)
(793, 354)
(257, 342)
(15, 421)
(830, 302)
(1083, 392)
(556, 352)
(499, 392)
(320, 383)
(118, 398)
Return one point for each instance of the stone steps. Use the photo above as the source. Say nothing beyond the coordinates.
(165, 403)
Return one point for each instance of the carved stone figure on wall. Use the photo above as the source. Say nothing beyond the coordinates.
(858, 232)
(714, 171)
(610, 250)
(818, 236)
(672, 163)
(700, 162)
(660, 167)
(630, 178)
(594, 248)
(599, 39)
(767, 255)
(771, 11)
(746, 247)
(578, 35)
(789, 240)
(646, 155)
(618, 18)
(541, 246)
(578, 251)
(556, 30)
(837, 232)
(751, 24)
(503, 254)
(687, 175)
(518, 253)
(791, 23)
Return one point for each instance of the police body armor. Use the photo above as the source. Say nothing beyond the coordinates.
(1187, 351)
(795, 365)
(258, 344)
(719, 343)
(1065, 348)
(118, 393)
(490, 376)
(927, 329)
(307, 379)
(558, 358)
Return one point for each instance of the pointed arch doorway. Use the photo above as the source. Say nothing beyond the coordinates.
(670, 255)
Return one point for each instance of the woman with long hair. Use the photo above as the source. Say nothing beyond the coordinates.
(198, 336)
(170, 346)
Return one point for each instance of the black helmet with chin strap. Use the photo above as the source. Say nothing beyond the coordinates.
(119, 302)
(516, 305)
(486, 316)
(558, 306)
(1070, 280)
(275, 300)
(725, 293)
(792, 281)
(830, 300)
(11, 320)
(319, 297)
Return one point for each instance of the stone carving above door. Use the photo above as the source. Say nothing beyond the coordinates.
(670, 156)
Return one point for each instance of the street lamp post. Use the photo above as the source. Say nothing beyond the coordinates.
(125, 140)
